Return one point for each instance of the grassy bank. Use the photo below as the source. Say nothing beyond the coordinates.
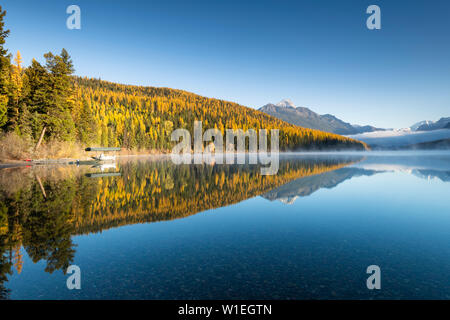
(14, 148)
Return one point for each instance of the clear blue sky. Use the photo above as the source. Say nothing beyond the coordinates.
(317, 53)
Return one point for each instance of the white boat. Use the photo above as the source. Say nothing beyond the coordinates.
(102, 157)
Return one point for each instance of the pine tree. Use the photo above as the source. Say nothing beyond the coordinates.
(3, 110)
(36, 98)
(86, 125)
(15, 93)
(60, 96)
(4, 71)
(18, 60)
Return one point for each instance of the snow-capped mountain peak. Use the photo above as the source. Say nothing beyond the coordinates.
(286, 103)
(416, 126)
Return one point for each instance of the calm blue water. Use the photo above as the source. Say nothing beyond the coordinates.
(311, 236)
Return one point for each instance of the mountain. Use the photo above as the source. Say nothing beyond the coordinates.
(435, 125)
(286, 103)
(415, 126)
(423, 135)
(304, 117)
(143, 117)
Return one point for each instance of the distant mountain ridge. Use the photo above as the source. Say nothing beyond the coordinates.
(305, 117)
(442, 123)
(415, 126)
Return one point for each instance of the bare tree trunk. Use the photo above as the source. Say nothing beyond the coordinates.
(40, 138)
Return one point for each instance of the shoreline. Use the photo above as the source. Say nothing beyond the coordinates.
(10, 163)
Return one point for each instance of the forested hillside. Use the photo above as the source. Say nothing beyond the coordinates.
(144, 117)
(47, 100)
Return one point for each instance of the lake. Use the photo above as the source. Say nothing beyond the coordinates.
(145, 228)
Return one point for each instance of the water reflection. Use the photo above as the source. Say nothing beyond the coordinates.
(41, 208)
(303, 187)
(434, 166)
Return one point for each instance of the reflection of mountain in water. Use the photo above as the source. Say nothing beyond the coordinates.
(429, 174)
(431, 166)
(303, 187)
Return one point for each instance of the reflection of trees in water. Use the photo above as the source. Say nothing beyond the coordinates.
(5, 264)
(47, 228)
(42, 218)
(156, 191)
(42, 225)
